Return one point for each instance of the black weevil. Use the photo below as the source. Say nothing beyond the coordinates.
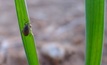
(26, 29)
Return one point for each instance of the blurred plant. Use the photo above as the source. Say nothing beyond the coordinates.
(26, 32)
(94, 31)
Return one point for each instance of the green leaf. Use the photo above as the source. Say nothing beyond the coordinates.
(28, 40)
(94, 31)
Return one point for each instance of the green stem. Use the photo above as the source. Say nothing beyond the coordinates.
(28, 41)
(94, 31)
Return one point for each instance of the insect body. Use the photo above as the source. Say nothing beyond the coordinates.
(26, 29)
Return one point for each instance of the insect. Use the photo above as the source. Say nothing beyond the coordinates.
(26, 29)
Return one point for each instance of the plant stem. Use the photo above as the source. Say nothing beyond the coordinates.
(28, 41)
(94, 31)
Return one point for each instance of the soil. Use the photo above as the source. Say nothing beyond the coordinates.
(56, 23)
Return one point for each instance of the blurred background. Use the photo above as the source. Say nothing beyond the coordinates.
(59, 31)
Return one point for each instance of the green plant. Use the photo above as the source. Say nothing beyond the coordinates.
(26, 32)
(94, 31)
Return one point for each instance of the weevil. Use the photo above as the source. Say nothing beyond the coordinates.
(26, 29)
